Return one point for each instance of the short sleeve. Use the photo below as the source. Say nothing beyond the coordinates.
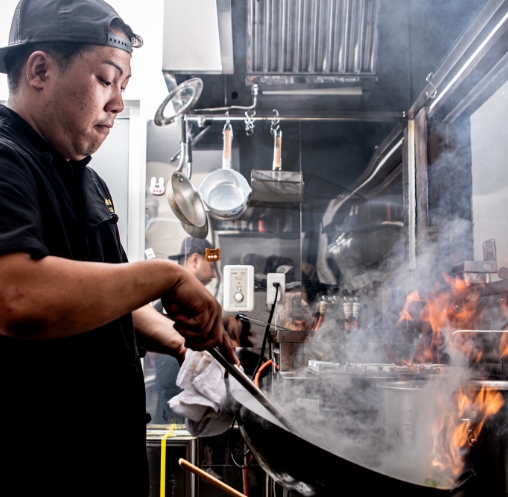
(20, 212)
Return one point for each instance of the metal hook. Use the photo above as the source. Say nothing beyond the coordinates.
(228, 123)
(275, 126)
(249, 123)
(433, 94)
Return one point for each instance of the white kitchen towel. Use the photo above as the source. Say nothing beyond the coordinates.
(204, 396)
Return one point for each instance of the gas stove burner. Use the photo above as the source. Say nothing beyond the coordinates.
(324, 367)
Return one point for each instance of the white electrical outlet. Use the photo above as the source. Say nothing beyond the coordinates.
(238, 288)
(272, 278)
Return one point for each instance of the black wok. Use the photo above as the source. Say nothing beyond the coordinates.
(300, 466)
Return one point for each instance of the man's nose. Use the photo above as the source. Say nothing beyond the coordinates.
(115, 104)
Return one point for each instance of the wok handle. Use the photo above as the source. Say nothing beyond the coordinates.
(250, 386)
(228, 140)
(209, 478)
(277, 151)
(463, 480)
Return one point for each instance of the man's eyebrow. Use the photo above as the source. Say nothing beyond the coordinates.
(116, 66)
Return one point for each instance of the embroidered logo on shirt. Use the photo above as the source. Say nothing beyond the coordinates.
(110, 205)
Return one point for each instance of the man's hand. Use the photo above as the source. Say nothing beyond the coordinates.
(197, 316)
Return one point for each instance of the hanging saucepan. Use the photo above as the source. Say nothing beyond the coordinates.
(183, 198)
(225, 191)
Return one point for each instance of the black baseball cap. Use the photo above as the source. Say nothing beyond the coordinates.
(73, 21)
(192, 245)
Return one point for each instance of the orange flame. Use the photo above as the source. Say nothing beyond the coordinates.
(450, 308)
(460, 428)
(412, 297)
(453, 307)
(503, 344)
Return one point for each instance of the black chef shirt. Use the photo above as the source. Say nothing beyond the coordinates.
(72, 414)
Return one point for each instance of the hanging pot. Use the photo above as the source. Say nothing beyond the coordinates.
(225, 192)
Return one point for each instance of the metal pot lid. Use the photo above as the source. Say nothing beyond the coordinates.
(179, 101)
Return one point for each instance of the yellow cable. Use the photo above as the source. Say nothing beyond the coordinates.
(163, 459)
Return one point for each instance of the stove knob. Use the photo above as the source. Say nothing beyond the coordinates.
(238, 296)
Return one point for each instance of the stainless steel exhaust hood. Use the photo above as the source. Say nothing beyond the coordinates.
(311, 41)
(198, 37)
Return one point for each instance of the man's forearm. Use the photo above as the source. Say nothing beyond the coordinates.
(55, 297)
(156, 333)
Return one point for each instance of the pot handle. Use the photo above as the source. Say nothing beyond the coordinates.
(183, 144)
(189, 157)
(228, 140)
(277, 151)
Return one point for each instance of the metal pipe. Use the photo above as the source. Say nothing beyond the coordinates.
(373, 117)
(475, 332)
(247, 319)
(254, 93)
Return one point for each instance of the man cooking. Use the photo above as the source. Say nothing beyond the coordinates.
(72, 311)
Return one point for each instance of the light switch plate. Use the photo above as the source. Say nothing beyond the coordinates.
(238, 288)
(272, 278)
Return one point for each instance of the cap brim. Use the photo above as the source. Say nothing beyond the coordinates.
(175, 257)
(3, 53)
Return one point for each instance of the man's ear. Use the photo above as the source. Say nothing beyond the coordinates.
(38, 68)
(193, 260)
